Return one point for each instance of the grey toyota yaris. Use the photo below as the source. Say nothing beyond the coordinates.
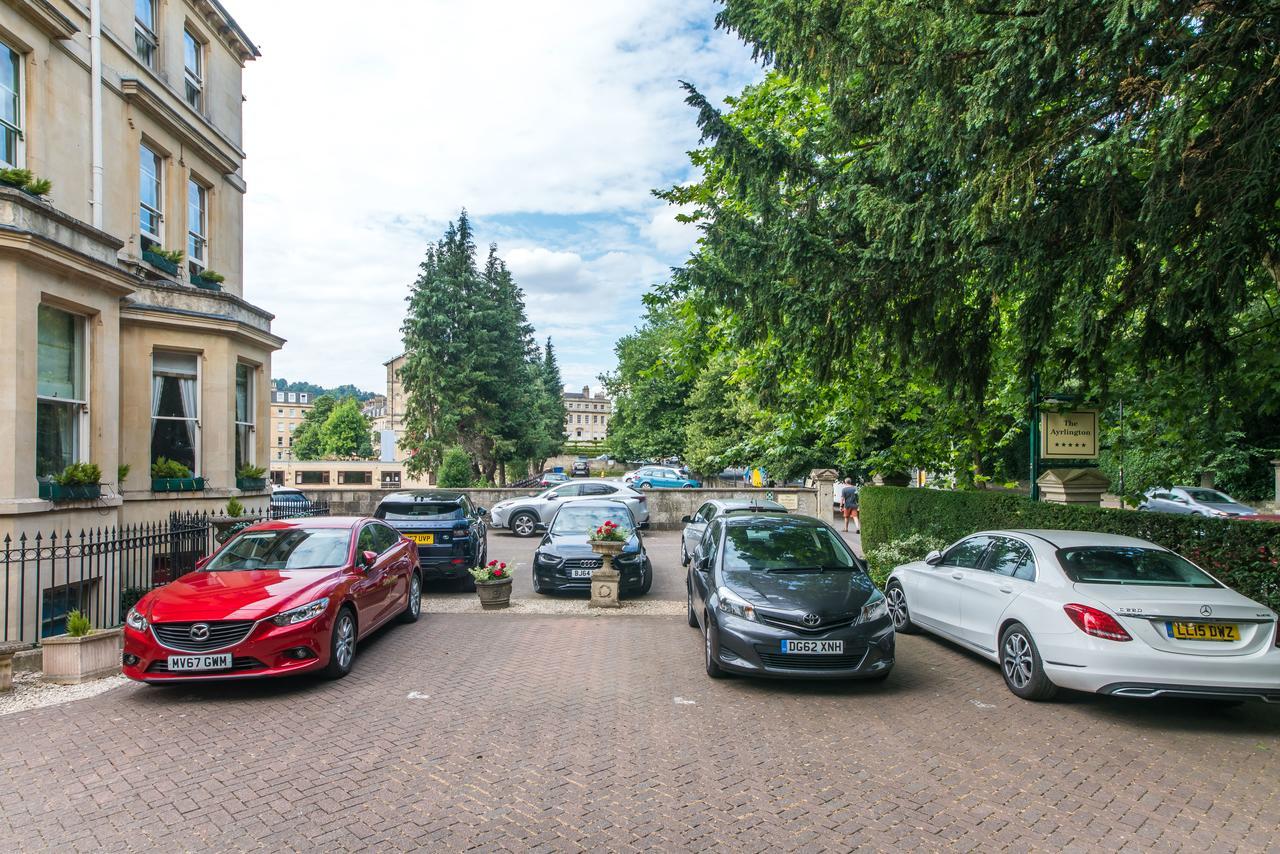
(782, 595)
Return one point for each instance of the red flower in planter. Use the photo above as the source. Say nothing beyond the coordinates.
(497, 573)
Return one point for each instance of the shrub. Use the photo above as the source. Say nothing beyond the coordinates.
(16, 177)
(884, 558)
(122, 472)
(78, 624)
(38, 186)
(79, 474)
(172, 469)
(455, 469)
(211, 276)
(249, 471)
(235, 508)
(1243, 554)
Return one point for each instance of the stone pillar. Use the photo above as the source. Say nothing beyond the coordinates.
(604, 581)
(1073, 486)
(1206, 480)
(825, 479)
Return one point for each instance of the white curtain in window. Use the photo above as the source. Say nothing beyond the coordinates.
(157, 388)
(187, 387)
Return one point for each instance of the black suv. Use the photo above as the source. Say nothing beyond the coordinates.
(450, 531)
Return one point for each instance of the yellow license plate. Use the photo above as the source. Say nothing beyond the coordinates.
(1204, 631)
(423, 539)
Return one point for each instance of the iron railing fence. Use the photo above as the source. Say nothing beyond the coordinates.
(102, 572)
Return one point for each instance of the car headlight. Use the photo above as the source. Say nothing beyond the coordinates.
(628, 558)
(548, 558)
(873, 611)
(731, 603)
(136, 621)
(301, 614)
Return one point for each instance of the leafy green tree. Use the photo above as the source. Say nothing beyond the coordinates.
(649, 391)
(308, 440)
(455, 470)
(346, 432)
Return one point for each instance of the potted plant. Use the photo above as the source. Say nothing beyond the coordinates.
(161, 258)
(493, 585)
(22, 179)
(608, 541)
(172, 476)
(77, 482)
(251, 478)
(210, 280)
(82, 653)
(122, 473)
(235, 521)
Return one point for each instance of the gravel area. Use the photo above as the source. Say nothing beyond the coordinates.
(30, 693)
(469, 604)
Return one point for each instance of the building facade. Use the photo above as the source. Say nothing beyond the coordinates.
(587, 416)
(288, 409)
(113, 353)
(387, 418)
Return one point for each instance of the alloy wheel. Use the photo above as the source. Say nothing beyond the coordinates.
(523, 525)
(897, 602)
(415, 595)
(1018, 663)
(344, 643)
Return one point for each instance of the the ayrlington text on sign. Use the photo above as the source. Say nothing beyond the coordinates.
(1069, 435)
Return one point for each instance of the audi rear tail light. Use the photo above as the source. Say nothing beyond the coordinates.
(1097, 623)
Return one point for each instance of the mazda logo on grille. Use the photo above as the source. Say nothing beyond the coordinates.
(1206, 611)
(199, 632)
(811, 619)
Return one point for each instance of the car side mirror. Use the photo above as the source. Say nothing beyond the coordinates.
(480, 511)
(686, 519)
(368, 559)
(200, 564)
(704, 564)
(933, 558)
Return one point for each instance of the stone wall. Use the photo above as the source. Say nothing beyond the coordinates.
(666, 506)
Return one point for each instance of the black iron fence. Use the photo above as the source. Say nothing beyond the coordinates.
(102, 572)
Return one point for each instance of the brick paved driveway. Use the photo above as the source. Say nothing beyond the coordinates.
(501, 731)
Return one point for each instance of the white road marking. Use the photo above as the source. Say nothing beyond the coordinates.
(681, 701)
(982, 705)
(417, 695)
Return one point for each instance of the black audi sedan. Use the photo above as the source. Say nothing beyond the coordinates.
(564, 561)
(782, 595)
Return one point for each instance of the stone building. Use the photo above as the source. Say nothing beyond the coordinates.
(112, 353)
(288, 410)
(587, 416)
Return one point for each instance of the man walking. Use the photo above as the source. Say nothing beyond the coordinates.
(849, 503)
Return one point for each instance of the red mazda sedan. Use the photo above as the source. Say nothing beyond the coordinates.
(276, 599)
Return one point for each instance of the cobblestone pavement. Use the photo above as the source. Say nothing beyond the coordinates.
(567, 733)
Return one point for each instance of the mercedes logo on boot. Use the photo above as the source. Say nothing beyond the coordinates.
(1206, 611)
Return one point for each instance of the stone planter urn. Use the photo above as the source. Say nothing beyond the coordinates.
(7, 652)
(70, 661)
(604, 581)
(495, 594)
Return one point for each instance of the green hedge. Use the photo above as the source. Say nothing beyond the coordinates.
(1245, 555)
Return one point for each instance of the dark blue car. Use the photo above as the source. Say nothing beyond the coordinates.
(450, 531)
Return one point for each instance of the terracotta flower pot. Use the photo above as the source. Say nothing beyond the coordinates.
(494, 594)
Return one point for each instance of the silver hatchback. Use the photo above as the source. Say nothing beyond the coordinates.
(524, 516)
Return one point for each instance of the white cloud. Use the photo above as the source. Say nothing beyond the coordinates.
(367, 132)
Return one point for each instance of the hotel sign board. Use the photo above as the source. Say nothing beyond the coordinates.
(1069, 435)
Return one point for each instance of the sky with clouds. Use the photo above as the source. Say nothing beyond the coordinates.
(550, 121)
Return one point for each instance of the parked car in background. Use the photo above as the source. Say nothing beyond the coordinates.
(278, 598)
(449, 531)
(659, 477)
(564, 560)
(696, 525)
(1091, 612)
(1194, 499)
(782, 595)
(582, 467)
(524, 516)
(551, 478)
(286, 500)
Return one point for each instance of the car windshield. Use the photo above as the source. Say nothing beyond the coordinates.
(1132, 565)
(581, 520)
(779, 545)
(1209, 496)
(283, 548)
(420, 511)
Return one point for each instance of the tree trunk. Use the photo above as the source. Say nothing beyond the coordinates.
(502, 474)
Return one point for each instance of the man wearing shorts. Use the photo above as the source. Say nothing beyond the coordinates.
(849, 503)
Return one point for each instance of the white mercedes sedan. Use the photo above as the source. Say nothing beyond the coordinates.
(1091, 612)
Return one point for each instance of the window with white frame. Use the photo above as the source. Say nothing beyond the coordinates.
(145, 40)
(61, 394)
(193, 69)
(151, 194)
(11, 152)
(197, 226)
(175, 408)
(244, 416)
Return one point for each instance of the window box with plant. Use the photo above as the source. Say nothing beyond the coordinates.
(209, 280)
(165, 260)
(23, 180)
(172, 476)
(77, 482)
(82, 653)
(251, 479)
